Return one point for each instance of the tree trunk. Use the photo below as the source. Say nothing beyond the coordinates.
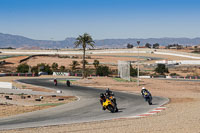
(83, 73)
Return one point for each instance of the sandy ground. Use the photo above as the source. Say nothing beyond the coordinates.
(181, 115)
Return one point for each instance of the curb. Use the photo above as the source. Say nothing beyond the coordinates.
(152, 112)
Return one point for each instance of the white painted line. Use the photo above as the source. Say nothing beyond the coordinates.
(137, 116)
(148, 113)
(162, 107)
(156, 110)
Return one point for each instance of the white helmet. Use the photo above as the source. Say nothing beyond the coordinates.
(143, 88)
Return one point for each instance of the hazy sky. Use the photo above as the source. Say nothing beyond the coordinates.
(58, 19)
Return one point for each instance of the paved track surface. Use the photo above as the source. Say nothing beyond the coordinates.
(86, 109)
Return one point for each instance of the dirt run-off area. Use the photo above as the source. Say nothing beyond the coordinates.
(17, 103)
(180, 116)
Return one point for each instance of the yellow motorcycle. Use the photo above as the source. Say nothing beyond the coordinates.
(109, 105)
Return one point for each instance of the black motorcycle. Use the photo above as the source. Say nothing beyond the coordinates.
(55, 83)
(148, 98)
(68, 83)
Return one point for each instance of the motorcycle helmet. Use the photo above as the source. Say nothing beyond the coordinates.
(101, 95)
(143, 88)
(108, 91)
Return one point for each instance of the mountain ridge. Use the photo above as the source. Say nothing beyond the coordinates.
(17, 41)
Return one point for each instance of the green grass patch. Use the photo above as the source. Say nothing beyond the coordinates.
(123, 80)
(50, 104)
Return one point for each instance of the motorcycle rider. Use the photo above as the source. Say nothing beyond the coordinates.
(110, 94)
(55, 81)
(68, 83)
(102, 99)
(145, 90)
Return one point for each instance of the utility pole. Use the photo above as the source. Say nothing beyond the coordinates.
(138, 69)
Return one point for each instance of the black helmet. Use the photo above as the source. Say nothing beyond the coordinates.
(101, 95)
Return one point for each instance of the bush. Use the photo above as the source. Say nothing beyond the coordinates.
(174, 74)
(161, 69)
(54, 66)
(23, 68)
(96, 64)
(62, 68)
(34, 69)
(133, 71)
(103, 71)
(45, 68)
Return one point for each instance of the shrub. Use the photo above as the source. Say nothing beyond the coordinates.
(161, 69)
(23, 68)
(54, 66)
(103, 71)
(34, 69)
(74, 65)
(96, 64)
(62, 68)
(45, 68)
(133, 71)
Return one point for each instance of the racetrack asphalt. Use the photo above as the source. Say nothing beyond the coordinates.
(86, 109)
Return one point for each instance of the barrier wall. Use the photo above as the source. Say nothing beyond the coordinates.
(61, 74)
(2, 74)
(7, 85)
(183, 62)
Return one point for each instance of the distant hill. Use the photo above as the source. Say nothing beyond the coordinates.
(16, 41)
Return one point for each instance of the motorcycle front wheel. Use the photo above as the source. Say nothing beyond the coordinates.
(111, 108)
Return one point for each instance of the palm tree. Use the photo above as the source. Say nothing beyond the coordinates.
(84, 40)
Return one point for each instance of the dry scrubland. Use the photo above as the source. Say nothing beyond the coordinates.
(107, 59)
(182, 113)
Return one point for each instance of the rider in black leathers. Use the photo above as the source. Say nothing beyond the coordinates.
(55, 82)
(102, 99)
(110, 94)
(145, 90)
(68, 83)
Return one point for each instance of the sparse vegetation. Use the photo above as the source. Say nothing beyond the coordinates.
(23, 68)
(161, 69)
(44, 68)
(174, 74)
(129, 45)
(62, 68)
(133, 71)
(103, 70)
(74, 65)
(54, 66)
